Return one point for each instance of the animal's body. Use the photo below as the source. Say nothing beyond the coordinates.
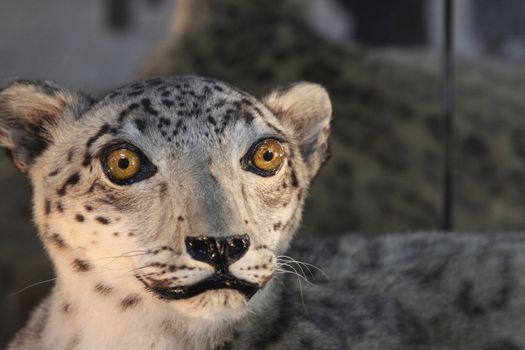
(168, 205)
(388, 135)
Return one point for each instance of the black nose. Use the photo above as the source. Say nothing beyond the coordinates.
(218, 251)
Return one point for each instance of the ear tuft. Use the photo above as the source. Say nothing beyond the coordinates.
(29, 110)
(306, 109)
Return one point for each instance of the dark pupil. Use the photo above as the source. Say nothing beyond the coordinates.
(123, 163)
(268, 155)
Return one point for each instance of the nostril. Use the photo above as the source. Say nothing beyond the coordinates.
(198, 248)
(237, 247)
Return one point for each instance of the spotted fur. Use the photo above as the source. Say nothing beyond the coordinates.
(409, 292)
(112, 245)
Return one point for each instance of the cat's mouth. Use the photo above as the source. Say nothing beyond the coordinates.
(214, 282)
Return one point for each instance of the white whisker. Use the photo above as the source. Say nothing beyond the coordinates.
(30, 286)
(290, 259)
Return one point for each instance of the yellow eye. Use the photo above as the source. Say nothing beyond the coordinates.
(122, 164)
(268, 156)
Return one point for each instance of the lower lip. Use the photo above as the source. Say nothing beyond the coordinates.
(212, 283)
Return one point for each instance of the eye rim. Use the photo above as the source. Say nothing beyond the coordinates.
(146, 170)
(246, 160)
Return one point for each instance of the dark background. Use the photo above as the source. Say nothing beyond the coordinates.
(380, 61)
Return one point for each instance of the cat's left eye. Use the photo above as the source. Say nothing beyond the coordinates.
(264, 158)
(124, 164)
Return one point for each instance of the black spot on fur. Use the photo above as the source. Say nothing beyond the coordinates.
(123, 114)
(102, 131)
(60, 207)
(47, 207)
(258, 110)
(81, 265)
(220, 103)
(168, 103)
(70, 155)
(164, 121)
(80, 218)
(179, 124)
(140, 124)
(129, 301)
(88, 207)
(103, 289)
(246, 101)
(102, 220)
(54, 172)
(465, 301)
(38, 142)
(295, 183)
(135, 93)
(133, 106)
(114, 94)
(154, 82)
(57, 241)
(70, 182)
(146, 104)
(163, 189)
(87, 159)
(212, 120)
(66, 308)
(248, 118)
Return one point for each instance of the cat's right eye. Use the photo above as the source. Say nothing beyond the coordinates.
(124, 164)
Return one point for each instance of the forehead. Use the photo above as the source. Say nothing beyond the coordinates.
(184, 111)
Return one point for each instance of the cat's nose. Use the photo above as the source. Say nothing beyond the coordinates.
(219, 252)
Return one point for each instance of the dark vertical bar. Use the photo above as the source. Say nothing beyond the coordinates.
(448, 111)
(118, 14)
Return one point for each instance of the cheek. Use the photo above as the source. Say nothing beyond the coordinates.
(257, 266)
(276, 204)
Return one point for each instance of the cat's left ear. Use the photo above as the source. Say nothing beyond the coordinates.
(29, 111)
(305, 108)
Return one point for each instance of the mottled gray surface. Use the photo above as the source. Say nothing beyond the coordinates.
(405, 291)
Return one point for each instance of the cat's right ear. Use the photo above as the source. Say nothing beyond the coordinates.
(29, 110)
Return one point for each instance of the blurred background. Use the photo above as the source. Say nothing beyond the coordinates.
(381, 61)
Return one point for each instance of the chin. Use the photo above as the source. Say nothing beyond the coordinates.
(215, 305)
